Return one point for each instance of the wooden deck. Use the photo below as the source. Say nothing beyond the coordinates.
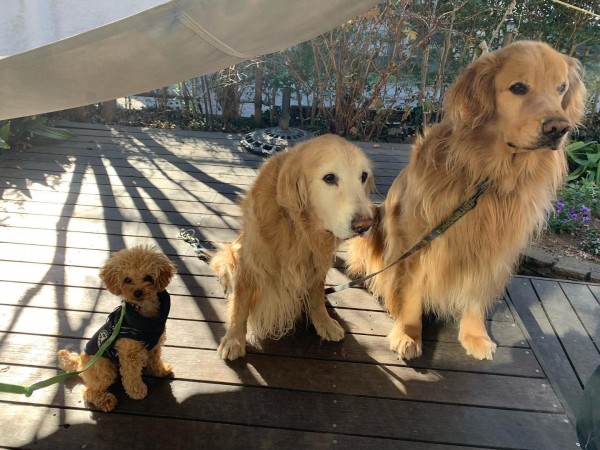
(66, 205)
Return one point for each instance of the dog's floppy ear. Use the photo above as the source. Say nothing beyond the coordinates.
(574, 100)
(292, 191)
(370, 184)
(165, 272)
(111, 277)
(471, 98)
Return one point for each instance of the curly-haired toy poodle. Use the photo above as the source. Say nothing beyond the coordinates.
(138, 275)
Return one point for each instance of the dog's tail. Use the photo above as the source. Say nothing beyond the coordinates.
(365, 254)
(224, 262)
(69, 361)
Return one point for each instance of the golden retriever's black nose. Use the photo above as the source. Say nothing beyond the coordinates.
(555, 127)
(137, 294)
(361, 225)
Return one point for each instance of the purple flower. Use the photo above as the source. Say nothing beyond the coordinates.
(586, 214)
(572, 214)
(559, 206)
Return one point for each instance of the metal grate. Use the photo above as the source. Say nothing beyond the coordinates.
(269, 141)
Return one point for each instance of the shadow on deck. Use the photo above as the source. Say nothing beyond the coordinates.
(66, 205)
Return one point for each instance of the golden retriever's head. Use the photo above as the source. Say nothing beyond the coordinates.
(328, 179)
(527, 93)
(137, 274)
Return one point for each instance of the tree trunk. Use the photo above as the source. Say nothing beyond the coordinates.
(423, 85)
(258, 94)
(108, 110)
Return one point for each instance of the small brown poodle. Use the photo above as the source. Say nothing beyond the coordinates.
(139, 276)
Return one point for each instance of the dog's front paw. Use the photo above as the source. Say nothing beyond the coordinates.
(136, 391)
(330, 330)
(231, 348)
(480, 347)
(406, 347)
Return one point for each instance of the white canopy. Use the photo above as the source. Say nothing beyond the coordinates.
(68, 53)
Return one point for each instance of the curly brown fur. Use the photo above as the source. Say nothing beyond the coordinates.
(506, 121)
(136, 275)
(302, 204)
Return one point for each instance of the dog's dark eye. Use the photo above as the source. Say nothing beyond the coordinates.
(149, 279)
(364, 176)
(519, 89)
(562, 88)
(330, 178)
(127, 280)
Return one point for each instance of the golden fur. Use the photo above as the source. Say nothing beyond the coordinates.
(505, 116)
(301, 205)
(125, 274)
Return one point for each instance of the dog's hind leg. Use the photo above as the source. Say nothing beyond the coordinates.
(327, 327)
(474, 337)
(98, 379)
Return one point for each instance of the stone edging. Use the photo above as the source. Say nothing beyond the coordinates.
(537, 262)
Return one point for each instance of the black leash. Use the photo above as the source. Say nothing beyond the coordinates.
(467, 206)
(205, 254)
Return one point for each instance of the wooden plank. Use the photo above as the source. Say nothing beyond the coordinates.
(354, 320)
(358, 348)
(97, 198)
(206, 227)
(82, 204)
(114, 185)
(151, 177)
(586, 307)
(580, 350)
(595, 290)
(196, 154)
(144, 184)
(545, 344)
(331, 413)
(137, 213)
(311, 375)
(58, 428)
(88, 277)
(131, 167)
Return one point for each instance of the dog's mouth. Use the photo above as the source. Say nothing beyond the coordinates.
(540, 144)
(349, 235)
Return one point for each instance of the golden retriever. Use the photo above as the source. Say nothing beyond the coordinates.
(303, 203)
(505, 124)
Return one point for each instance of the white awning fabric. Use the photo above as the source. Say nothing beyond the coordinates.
(68, 53)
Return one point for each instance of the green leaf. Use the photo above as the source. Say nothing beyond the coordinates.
(581, 162)
(32, 124)
(5, 132)
(576, 145)
(4, 145)
(53, 133)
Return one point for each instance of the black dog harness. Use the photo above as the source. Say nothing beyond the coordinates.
(147, 330)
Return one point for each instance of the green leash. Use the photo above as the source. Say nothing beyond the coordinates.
(28, 390)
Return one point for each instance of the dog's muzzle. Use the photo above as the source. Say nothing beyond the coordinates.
(553, 130)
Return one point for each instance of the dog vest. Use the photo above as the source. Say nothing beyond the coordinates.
(147, 330)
